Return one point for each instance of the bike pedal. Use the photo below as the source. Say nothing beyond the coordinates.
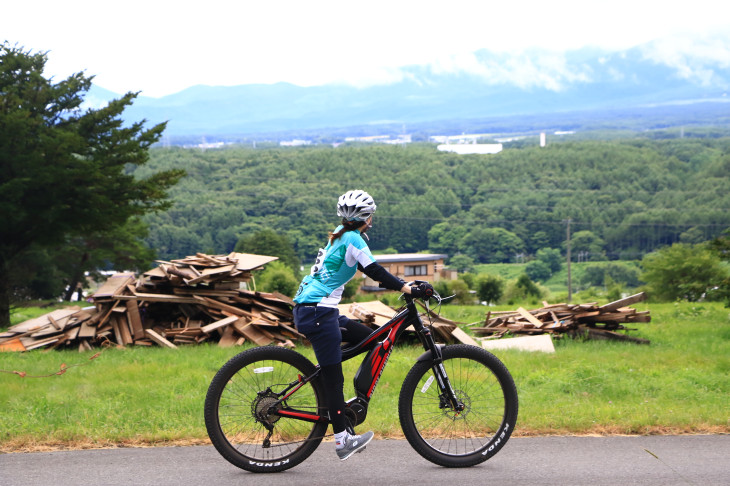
(360, 450)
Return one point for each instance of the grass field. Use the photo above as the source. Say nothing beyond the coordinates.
(142, 396)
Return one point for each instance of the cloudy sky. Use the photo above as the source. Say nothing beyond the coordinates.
(161, 47)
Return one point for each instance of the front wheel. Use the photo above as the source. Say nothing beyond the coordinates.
(463, 438)
(238, 410)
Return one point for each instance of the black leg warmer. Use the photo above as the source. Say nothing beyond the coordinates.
(334, 381)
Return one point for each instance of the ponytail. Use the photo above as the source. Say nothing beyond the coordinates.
(346, 226)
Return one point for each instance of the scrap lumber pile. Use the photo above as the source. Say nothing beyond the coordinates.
(591, 320)
(188, 301)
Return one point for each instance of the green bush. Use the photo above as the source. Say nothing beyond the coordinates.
(551, 257)
(489, 288)
(277, 277)
(538, 271)
(456, 288)
(597, 274)
(523, 290)
(682, 272)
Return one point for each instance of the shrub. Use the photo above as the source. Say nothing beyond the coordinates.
(277, 277)
(489, 288)
(682, 272)
(538, 270)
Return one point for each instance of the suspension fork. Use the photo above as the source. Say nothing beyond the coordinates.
(448, 395)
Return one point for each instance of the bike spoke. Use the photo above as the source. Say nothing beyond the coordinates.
(448, 431)
(242, 398)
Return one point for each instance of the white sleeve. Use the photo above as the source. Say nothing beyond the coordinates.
(355, 255)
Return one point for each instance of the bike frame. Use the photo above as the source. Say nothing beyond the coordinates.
(379, 346)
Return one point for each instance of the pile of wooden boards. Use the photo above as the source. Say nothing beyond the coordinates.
(590, 320)
(188, 301)
(171, 305)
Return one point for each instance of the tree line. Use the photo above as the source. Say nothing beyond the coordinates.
(623, 199)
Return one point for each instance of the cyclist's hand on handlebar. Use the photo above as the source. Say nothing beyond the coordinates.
(423, 290)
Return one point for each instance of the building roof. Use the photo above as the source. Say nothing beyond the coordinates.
(409, 257)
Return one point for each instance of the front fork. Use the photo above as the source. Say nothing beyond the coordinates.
(447, 397)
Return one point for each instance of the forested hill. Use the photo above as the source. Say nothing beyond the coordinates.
(623, 198)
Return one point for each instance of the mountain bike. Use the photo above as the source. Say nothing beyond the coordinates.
(265, 412)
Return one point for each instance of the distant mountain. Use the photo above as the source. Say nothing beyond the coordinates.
(536, 84)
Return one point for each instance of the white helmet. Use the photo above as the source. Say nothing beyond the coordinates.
(355, 206)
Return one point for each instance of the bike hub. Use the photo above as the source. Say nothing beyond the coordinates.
(260, 408)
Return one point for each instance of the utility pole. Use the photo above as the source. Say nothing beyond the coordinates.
(567, 243)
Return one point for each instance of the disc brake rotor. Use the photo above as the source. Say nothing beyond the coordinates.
(459, 415)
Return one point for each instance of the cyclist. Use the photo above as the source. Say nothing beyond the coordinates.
(316, 314)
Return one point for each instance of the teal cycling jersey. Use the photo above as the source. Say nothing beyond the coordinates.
(336, 264)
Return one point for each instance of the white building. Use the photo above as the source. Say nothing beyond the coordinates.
(471, 148)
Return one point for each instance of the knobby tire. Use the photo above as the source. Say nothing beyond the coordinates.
(235, 405)
(464, 439)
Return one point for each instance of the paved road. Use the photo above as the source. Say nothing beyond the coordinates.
(593, 461)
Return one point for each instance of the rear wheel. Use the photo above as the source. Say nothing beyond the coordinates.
(463, 438)
(237, 410)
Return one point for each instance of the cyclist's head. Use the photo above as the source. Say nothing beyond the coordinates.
(355, 206)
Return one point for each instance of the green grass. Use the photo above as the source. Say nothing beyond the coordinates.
(140, 395)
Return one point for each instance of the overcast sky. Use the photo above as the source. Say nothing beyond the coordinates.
(161, 47)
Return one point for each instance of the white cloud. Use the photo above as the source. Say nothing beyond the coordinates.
(162, 46)
(534, 69)
(693, 57)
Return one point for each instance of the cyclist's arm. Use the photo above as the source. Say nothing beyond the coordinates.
(387, 280)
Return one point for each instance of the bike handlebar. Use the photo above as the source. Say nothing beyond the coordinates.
(429, 291)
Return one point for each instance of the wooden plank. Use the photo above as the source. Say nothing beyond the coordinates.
(218, 324)
(135, 320)
(249, 261)
(463, 337)
(12, 345)
(222, 306)
(55, 323)
(640, 317)
(114, 320)
(72, 333)
(183, 272)
(45, 331)
(228, 339)
(530, 318)
(114, 285)
(632, 299)
(125, 331)
(153, 335)
(41, 321)
(156, 272)
(289, 327)
(607, 317)
(541, 342)
(208, 272)
(173, 299)
(252, 333)
(106, 315)
(31, 343)
(204, 292)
